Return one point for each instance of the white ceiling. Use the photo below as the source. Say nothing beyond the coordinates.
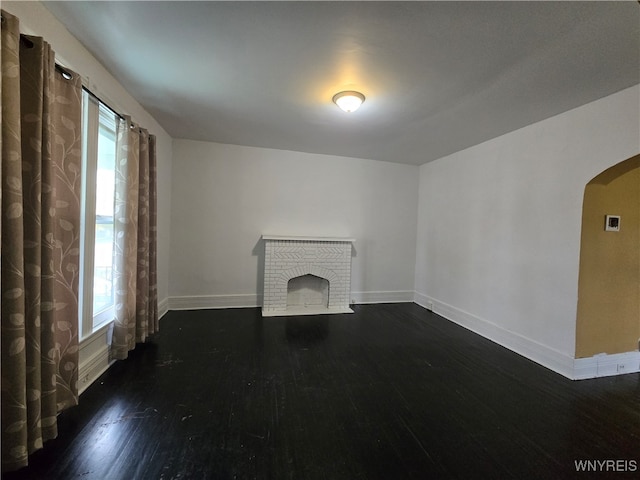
(438, 76)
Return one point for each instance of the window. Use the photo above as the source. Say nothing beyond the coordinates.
(97, 232)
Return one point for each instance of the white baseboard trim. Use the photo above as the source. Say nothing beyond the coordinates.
(200, 302)
(422, 300)
(93, 357)
(541, 354)
(399, 296)
(606, 365)
(163, 307)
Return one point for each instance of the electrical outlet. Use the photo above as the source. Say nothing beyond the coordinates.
(621, 368)
(430, 306)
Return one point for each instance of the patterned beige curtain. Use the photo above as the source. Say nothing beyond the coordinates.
(154, 323)
(135, 226)
(40, 225)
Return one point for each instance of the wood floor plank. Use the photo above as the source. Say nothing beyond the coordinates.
(389, 392)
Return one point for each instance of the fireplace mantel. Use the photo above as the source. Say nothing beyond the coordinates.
(296, 257)
(308, 239)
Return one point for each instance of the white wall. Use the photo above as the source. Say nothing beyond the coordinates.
(225, 197)
(35, 19)
(499, 226)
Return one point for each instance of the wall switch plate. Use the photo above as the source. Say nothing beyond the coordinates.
(612, 223)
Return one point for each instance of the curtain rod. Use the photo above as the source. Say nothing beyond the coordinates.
(66, 74)
(91, 94)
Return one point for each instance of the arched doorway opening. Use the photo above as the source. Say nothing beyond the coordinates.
(608, 317)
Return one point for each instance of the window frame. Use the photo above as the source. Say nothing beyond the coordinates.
(90, 321)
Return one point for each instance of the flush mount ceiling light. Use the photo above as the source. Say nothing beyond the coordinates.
(348, 101)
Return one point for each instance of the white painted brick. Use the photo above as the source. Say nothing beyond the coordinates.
(287, 259)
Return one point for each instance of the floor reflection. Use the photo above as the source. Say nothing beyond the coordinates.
(306, 331)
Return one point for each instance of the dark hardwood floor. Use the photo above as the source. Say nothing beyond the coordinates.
(390, 392)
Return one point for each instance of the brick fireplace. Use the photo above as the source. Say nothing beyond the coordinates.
(306, 275)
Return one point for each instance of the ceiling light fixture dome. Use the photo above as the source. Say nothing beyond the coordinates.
(349, 101)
